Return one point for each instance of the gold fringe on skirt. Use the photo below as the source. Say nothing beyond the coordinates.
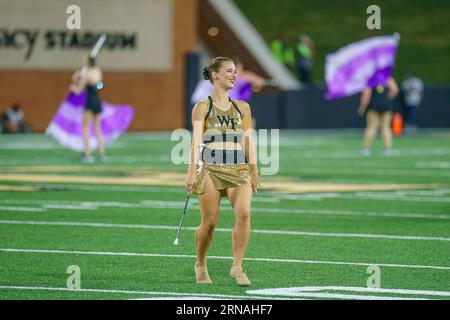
(223, 176)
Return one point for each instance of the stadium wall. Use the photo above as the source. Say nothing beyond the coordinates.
(307, 109)
(157, 96)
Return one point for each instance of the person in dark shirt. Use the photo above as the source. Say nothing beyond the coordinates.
(304, 59)
(89, 78)
(377, 106)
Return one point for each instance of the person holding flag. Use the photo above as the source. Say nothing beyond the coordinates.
(90, 79)
(71, 125)
(376, 104)
(365, 67)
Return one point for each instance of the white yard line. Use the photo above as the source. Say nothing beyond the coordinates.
(28, 209)
(394, 196)
(353, 213)
(69, 207)
(199, 296)
(376, 290)
(384, 196)
(185, 256)
(92, 205)
(270, 196)
(435, 192)
(277, 232)
(88, 187)
(133, 292)
(313, 291)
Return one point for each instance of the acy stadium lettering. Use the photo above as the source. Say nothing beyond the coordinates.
(56, 40)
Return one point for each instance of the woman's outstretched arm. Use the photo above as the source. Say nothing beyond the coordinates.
(198, 119)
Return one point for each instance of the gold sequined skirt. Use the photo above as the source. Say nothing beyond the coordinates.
(223, 176)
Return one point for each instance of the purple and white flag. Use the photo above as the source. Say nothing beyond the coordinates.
(67, 124)
(368, 62)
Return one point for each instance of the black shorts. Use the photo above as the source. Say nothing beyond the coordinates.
(93, 103)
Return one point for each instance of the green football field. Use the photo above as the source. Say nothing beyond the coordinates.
(331, 224)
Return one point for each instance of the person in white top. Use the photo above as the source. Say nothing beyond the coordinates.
(412, 89)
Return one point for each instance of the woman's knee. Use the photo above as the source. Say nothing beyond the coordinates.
(209, 223)
(209, 226)
(242, 216)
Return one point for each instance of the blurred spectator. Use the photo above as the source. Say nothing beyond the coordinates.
(3, 122)
(283, 52)
(248, 77)
(304, 58)
(13, 120)
(412, 91)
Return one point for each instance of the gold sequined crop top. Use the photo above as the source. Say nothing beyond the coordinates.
(224, 123)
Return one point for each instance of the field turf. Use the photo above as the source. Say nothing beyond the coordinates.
(322, 245)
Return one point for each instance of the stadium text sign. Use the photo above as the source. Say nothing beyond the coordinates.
(46, 35)
(55, 40)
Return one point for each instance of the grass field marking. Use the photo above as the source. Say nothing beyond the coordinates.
(374, 164)
(264, 196)
(350, 235)
(355, 153)
(153, 293)
(95, 204)
(70, 207)
(176, 178)
(433, 165)
(384, 196)
(362, 167)
(306, 212)
(363, 196)
(18, 188)
(436, 192)
(367, 171)
(378, 290)
(90, 187)
(84, 205)
(23, 145)
(441, 192)
(353, 213)
(29, 209)
(259, 231)
(185, 256)
(271, 294)
(315, 292)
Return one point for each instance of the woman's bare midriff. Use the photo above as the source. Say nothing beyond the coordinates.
(228, 145)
